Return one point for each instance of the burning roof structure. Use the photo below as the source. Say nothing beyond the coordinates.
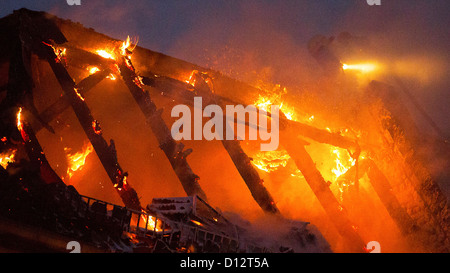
(65, 97)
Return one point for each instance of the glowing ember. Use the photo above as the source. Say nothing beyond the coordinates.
(197, 223)
(96, 127)
(79, 94)
(363, 68)
(7, 158)
(76, 161)
(111, 77)
(121, 181)
(138, 81)
(191, 80)
(93, 69)
(19, 119)
(59, 52)
(270, 161)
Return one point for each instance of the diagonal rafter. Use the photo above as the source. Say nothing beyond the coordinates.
(173, 150)
(40, 43)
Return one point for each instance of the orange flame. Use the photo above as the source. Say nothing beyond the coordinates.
(271, 160)
(111, 77)
(105, 54)
(138, 81)
(19, 119)
(153, 223)
(77, 161)
(7, 158)
(59, 52)
(126, 46)
(191, 80)
(93, 69)
(342, 164)
(78, 94)
(273, 97)
(197, 223)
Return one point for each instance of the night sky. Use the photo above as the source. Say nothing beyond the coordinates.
(273, 34)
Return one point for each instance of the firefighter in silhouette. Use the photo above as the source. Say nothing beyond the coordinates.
(320, 48)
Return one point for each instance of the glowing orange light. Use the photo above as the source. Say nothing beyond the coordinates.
(105, 54)
(77, 161)
(7, 158)
(93, 69)
(96, 127)
(363, 68)
(79, 94)
(192, 80)
(149, 222)
(274, 98)
(19, 119)
(111, 77)
(271, 160)
(125, 46)
(197, 223)
(342, 164)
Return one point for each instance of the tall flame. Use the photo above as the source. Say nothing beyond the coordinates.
(126, 46)
(77, 161)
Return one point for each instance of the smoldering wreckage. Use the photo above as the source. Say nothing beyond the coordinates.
(384, 174)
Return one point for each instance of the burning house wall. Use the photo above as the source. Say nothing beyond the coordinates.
(335, 118)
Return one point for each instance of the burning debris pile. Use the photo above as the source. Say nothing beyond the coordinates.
(371, 166)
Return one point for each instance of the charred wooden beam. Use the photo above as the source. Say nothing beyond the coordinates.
(322, 136)
(35, 152)
(106, 153)
(387, 197)
(182, 91)
(63, 103)
(173, 150)
(82, 59)
(405, 136)
(337, 214)
(240, 159)
(250, 176)
(384, 191)
(20, 82)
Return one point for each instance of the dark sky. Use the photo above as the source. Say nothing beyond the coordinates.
(272, 35)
